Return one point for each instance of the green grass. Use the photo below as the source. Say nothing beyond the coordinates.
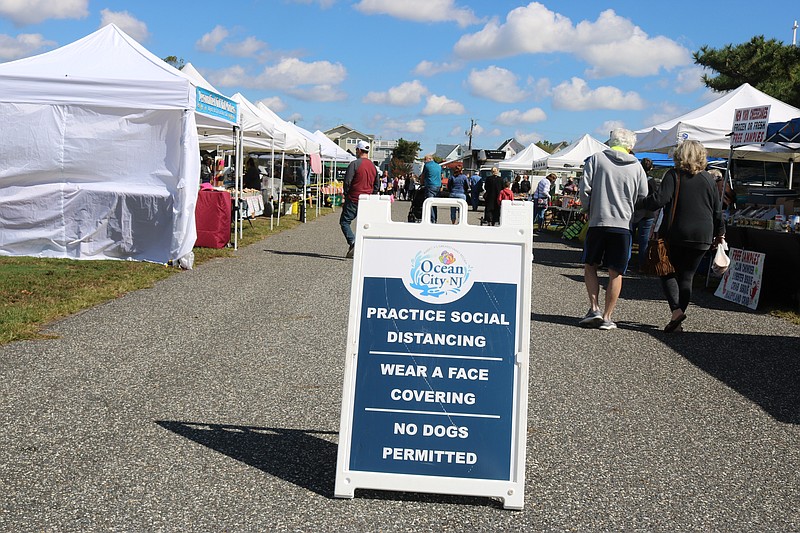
(35, 292)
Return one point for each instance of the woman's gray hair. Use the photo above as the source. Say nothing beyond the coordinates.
(690, 156)
(622, 137)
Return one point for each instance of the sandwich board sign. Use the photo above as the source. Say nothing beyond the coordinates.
(436, 373)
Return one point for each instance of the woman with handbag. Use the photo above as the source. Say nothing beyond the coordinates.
(692, 223)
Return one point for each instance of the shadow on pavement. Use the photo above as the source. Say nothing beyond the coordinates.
(763, 368)
(450, 499)
(294, 455)
(307, 254)
(573, 321)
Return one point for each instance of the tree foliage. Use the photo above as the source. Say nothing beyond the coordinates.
(175, 61)
(550, 147)
(768, 65)
(403, 157)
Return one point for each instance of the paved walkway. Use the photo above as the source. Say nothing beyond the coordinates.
(211, 403)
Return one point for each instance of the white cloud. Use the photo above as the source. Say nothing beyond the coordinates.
(515, 116)
(274, 103)
(22, 12)
(495, 83)
(318, 93)
(126, 22)
(292, 72)
(604, 40)
(689, 80)
(294, 118)
(228, 77)
(599, 43)
(575, 95)
(429, 68)
(399, 126)
(458, 131)
(209, 41)
(603, 132)
(666, 111)
(540, 88)
(324, 4)
(527, 138)
(408, 93)
(495, 133)
(23, 45)
(442, 105)
(419, 10)
(250, 47)
(530, 29)
(478, 130)
(289, 74)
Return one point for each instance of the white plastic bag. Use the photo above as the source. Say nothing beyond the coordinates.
(721, 259)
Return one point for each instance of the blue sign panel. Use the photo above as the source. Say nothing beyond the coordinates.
(215, 105)
(435, 381)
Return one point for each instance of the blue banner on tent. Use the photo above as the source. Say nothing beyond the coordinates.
(216, 105)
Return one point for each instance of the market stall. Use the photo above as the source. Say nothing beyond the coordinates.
(524, 159)
(99, 156)
(763, 219)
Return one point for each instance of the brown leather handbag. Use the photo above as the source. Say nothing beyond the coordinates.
(657, 262)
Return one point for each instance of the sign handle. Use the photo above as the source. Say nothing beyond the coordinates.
(429, 203)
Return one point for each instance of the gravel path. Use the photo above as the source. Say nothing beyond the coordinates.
(211, 403)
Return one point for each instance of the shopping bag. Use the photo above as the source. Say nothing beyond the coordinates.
(721, 260)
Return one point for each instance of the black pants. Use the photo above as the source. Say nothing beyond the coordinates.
(678, 285)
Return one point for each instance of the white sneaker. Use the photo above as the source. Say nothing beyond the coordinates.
(593, 319)
(607, 324)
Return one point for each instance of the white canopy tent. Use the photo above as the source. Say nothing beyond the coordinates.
(712, 123)
(331, 150)
(207, 124)
(524, 159)
(257, 133)
(99, 146)
(570, 158)
(297, 142)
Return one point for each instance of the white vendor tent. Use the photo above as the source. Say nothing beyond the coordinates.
(524, 159)
(207, 123)
(571, 158)
(299, 142)
(99, 151)
(331, 150)
(257, 134)
(712, 123)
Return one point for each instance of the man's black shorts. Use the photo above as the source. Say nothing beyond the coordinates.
(610, 247)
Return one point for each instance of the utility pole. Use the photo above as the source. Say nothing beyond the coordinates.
(794, 34)
(469, 134)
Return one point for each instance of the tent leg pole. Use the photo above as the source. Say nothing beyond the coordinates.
(280, 192)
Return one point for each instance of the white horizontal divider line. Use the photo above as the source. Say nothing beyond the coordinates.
(410, 354)
(437, 413)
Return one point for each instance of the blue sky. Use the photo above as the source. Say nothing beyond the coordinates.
(421, 69)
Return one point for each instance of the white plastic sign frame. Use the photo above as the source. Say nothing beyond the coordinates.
(435, 394)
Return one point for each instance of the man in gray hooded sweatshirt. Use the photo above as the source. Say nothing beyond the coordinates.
(613, 180)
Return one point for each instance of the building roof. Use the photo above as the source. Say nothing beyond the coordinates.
(515, 145)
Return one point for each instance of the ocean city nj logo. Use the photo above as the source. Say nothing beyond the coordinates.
(438, 275)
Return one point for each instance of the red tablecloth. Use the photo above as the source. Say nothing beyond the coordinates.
(213, 219)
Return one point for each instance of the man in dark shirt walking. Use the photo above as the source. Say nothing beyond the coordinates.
(361, 178)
